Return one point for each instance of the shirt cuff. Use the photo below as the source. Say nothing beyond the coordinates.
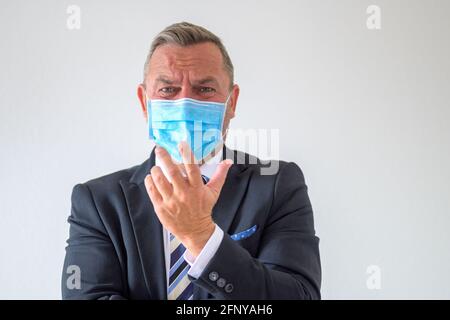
(208, 251)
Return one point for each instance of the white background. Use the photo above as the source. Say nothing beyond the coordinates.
(364, 113)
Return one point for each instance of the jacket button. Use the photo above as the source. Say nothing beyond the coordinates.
(229, 288)
(213, 276)
(221, 283)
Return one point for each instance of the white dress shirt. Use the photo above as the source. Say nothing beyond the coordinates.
(202, 260)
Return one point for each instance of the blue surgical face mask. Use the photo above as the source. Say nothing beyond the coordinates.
(198, 122)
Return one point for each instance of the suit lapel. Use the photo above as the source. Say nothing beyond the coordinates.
(233, 191)
(147, 231)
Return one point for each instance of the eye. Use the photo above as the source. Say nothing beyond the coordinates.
(206, 90)
(168, 90)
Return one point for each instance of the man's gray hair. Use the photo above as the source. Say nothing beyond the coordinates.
(186, 34)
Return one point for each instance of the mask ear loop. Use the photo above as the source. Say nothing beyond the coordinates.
(149, 125)
(216, 150)
(224, 114)
(226, 108)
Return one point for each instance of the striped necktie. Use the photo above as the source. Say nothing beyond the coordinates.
(205, 179)
(180, 287)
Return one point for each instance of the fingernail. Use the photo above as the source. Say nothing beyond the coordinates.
(228, 161)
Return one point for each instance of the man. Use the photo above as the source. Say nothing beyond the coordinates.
(196, 220)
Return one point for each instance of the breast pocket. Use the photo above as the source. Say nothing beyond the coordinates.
(244, 234)
(248, 239)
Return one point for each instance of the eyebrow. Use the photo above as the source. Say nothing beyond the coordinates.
(207, 80)
(203, 81)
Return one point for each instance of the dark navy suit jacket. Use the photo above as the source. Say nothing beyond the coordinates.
(116, 238)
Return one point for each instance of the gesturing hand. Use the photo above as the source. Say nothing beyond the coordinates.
(184, 205)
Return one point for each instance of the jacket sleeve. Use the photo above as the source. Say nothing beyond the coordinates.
(287, 265)
(91, 267)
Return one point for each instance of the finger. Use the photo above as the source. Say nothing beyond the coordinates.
(219, 176)
(162, 184)
(190, 164)
(172, 170)
(152, 191)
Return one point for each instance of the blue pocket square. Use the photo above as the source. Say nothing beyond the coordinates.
(245, 234)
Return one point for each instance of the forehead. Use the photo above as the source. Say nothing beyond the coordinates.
(197, 59)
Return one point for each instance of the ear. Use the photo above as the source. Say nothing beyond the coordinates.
(142, 99)
(233, 100)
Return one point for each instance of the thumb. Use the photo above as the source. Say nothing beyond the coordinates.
(218, 178)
